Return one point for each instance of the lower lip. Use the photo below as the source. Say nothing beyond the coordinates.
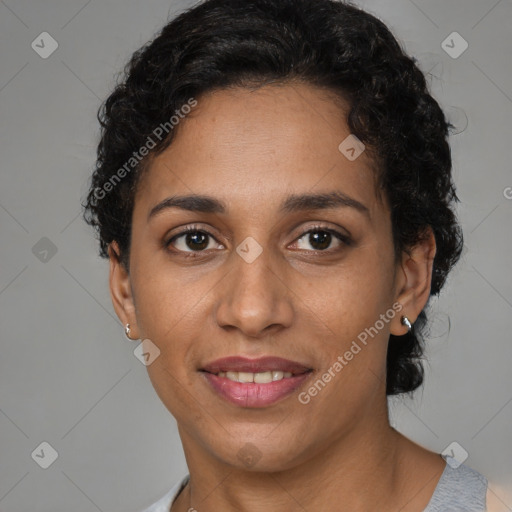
(251, 394)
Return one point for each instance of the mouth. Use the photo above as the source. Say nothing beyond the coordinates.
(255, 382)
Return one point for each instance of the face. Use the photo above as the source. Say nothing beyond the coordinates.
(265, 272)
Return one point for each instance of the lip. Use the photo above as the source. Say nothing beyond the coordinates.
(252, 394)
(262, 364)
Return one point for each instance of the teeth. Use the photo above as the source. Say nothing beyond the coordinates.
(245, 377)
(258, 378)
(263, 378)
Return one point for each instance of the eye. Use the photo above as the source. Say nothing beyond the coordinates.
(192, 239)
(195, 240)
(320, 238)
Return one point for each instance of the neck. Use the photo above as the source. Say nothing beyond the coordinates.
(356, 471)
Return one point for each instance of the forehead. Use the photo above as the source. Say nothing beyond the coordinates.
(249, 147)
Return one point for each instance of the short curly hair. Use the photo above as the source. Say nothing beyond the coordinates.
(331, 44)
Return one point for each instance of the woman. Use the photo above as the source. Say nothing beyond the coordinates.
(273, 190)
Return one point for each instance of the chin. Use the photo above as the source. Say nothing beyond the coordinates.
(265, 455)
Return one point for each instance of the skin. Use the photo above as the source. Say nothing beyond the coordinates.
(251, 149)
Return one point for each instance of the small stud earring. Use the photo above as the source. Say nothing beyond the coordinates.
(127, 331)
(405, 321)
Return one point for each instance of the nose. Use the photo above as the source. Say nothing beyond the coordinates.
(254, 298)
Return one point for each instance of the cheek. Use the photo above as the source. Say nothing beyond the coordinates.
(350, 302)
(164, 296)
(168, 316)
(353, 297)
(173, 306)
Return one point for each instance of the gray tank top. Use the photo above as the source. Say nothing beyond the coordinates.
(460, 489)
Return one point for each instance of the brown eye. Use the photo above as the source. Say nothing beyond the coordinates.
(192, 240)
(320, 239)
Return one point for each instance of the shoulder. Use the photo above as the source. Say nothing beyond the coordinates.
(460, 489)
(165, 502)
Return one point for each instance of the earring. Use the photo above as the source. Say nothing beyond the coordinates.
(405, 321)
(127, 331)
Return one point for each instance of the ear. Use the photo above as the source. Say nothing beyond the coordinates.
(121, 291)
(413, 280)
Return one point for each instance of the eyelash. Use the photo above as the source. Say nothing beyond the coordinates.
(196, 229)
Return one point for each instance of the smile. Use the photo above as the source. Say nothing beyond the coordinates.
(253, 383)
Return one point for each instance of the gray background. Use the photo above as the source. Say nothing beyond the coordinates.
(67, 374)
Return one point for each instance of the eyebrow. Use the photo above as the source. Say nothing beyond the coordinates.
(293, 203)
